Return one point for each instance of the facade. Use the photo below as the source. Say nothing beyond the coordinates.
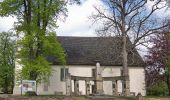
(93, 66)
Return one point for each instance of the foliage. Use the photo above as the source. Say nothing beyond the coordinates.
(37, 20)
(38, 69)
(159, 89)
(30, 93)
(158, 59)
(7, 62)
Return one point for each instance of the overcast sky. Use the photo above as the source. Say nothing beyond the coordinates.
(77, 22)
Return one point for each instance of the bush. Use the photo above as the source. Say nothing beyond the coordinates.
(30, 93)
(159, 89)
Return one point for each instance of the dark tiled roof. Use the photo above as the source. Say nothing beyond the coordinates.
(88, 50)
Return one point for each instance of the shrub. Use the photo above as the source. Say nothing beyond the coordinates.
(30, 93)
(159, 89)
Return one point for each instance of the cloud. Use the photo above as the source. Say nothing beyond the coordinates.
(78, 23)
(6, 23)
(162, 13)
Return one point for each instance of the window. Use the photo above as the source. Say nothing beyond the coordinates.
(63, 73)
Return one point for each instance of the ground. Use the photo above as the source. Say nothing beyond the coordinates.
(11, 97)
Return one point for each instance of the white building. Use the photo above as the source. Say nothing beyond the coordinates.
(82, 55)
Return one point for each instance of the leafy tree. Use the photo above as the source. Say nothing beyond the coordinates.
(158, 59)
(127, 19)
(37, 20)
(7, 62)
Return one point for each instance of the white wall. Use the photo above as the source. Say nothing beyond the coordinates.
(59, 86)
(55, 85)
(107, 72)
(137, 79)
(81, 71)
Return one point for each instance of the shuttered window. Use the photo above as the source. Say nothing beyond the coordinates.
(63, 73)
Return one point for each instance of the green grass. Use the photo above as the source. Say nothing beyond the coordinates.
(157, 97)
(63, 96)
(125, 98)
(81, 98)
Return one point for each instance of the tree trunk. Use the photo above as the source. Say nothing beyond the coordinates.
(125, 82)
(6, 85)
(39, 43)
(168, 84)
(29, 15)
(124, 56)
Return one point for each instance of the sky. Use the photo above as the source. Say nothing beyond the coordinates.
(76, 24)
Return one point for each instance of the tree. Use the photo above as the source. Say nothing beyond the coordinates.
(168, 2)
(127, 19)
(7, 62)
(36, 21)
(158, 59)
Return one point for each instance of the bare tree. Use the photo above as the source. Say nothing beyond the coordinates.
(168, 2)
(128, 19)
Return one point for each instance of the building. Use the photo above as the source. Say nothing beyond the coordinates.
(86, 57)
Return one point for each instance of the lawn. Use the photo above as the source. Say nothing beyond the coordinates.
(81, 98)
